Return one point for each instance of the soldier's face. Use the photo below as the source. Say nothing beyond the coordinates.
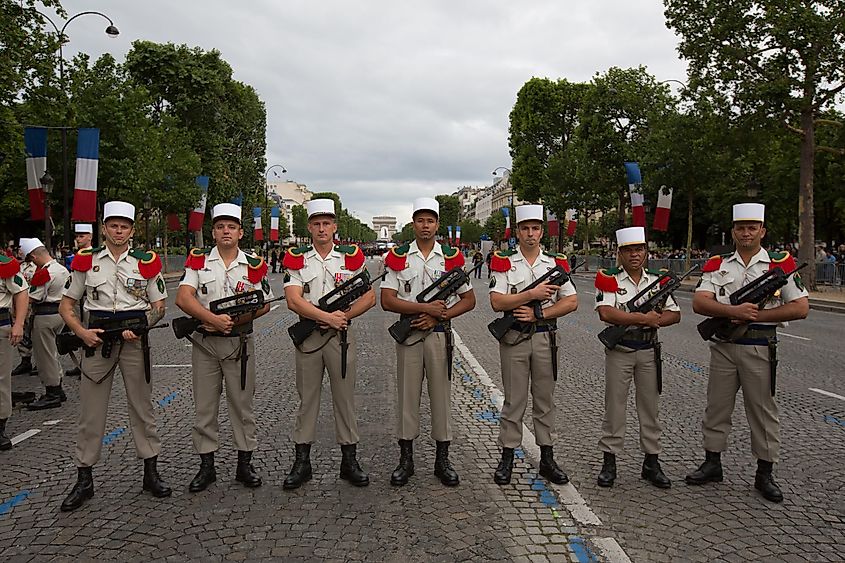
(118, 230)
(748, 235)
(83, 240)
(529, 233)
(632, 256)
(425, 225)
(322, 229)
(227, 233)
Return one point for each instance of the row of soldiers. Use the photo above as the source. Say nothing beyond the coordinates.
(117, 281)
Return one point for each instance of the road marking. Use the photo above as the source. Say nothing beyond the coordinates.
(14, 501)
(569, 495)
(172, 365)
(28, 434)
(793, 336)
(273, 308)
(52, 422)
(828, 393)
(611, 549)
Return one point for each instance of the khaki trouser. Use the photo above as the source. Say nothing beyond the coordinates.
(209, 373)
(621, 366)
(309, 385)
(528, 362)
(733, 366)
(424, 360)
(44, 331)
(94, 403)
(5, 373)
(25, 346)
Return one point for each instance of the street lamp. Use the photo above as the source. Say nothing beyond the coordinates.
(267, 189)
(112, 32)
(47, 184)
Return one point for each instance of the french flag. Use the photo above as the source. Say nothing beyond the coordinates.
(635, 181)
(197, 216)
(664, 206)
(35, 142)
(458, 235)
(449, 230)
(573, 222)
(258, 232)
(274, 223)
(553, 224)
(173, 223)
(507, 213)
(87, 164)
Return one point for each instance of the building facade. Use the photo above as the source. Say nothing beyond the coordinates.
(385, 227)
(286, 194)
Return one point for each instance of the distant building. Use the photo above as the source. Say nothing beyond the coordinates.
(493, 198)
(385, 227)
(467, 196)
(484, 206)
(286, 194)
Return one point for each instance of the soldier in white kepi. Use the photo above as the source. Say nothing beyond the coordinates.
(24, 348)
(223, 349)
(122, 287)
(14, 306)
(83, 238)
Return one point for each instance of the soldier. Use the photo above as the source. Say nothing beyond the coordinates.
(118, 283)
(28, 268)
(45, 293)
(745, 361)
(426, 354)
(14, 306)
(218, 354)
(635, 357)
(529, 350)
(83, 236)
(312, 272)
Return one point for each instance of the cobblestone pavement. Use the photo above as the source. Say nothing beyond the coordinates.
(530, 520)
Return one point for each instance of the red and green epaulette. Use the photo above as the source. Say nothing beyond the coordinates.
(294, 258)
(256, 268)
(149, 263)
(84, 259)
(560, 259)
(782, 260)
(454, 257)
(40, 277)
(196, 258)
(353, 256)
(715, 262)
(658, 273)
(501, 260)
(9, 266)
(606, 280)
(396, 257)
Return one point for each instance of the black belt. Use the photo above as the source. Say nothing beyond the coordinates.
(537, 327)
(5, 317)
(757, 335)
(637, 344)
(45, 309)
(441, 327)
(99, 315)
(241, 330)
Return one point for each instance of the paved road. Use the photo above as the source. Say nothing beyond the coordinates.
(530, 520)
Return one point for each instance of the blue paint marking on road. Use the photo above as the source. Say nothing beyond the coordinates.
(834, 420)
(547, 497)
(167, 399)
(467, 378)
(13, 502)
(113, 435)
(519, 453)
(476, 393)
(581, 551)
(487, 416)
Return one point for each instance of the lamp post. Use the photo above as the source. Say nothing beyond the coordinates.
(112, 32)
(267, 191)
(47, 184)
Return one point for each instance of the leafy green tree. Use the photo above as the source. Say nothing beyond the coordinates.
(450, 211)
(494, 227)
(405, 235)
(300, 221)
(470, 231)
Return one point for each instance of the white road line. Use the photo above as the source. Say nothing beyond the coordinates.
(273, 308)
(827, 393)
(28, 434)
(793, 336)
(569, 495)
(51, 422)
(172, 365)
(611, 549)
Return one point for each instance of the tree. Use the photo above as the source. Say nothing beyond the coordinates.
(778, 61)
(470, 231)
(494, 227)
(450, 211)
(300, 221)
(405, 235)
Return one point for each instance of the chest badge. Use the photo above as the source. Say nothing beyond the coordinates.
(622, 291)
(721, 292)
(723, 273)
(96, 268)
(407, 287)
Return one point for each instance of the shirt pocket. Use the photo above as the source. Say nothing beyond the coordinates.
(516, 282)
(407, 279)
(206, 284)
(308, 276)
(95, 285)
(724, 286)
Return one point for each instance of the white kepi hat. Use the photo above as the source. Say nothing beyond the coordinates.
(630, 235)
(82, 228)
(749, 212)
(320, 207)
(226, 211)
(29, 244)
(529, 213)
(118, 209)
(426, 204)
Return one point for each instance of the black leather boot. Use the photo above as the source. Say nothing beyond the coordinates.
(443, 467)
(502, 476)
(549, 468)
(245, 472)
(349, 468)
(653, 473)
(765, 482)
(5, 442)
(24, 367)
(405, 468)
(206, 475)
(152, 481)
(301, 470)
(81, 491)
(51, 399)
(709, 471)
(607, 475)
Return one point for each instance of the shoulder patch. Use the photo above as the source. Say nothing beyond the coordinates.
(492, 282)
(353, 256)
(606, 280)
(501, 262)
(18, 279)
(68, 282)
(8, 266)
(265, 285)
(160, 284)
(196, 258)
(83, 259)
(712, 264)
(560, 259)
(799, 283)
(149, 263)
(395, 258)
(454, 257)
(294, 258)
(256, 268)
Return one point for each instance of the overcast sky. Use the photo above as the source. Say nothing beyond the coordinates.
(384, 101)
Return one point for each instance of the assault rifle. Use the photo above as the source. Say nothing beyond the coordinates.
(234, 306)
(611, 335)
(441, 289)
(556, 276)
(758, 292)
(339, 299)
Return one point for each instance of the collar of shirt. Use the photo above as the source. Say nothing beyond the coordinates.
(520, 257)
(761, 256)
(105, 252)
(415, 249)
(240, 259)
(316, 255)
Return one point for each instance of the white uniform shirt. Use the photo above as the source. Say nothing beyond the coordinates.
(420, 273)
(319, 276)
(28, 270)
(522, 274)
(628, 289)
(215, 280)
(51, 292)
(9, 287)
(734, 274)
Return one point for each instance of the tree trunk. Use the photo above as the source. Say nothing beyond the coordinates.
(806, 224)
(164, 241)
(620, 209)
(586, 241)
(689, 229)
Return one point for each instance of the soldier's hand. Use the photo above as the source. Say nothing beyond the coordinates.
(436, 309)
(544, 292)
(525, 314)
(337, 320)
(651, 319)
(222, 323)
(90, 336)
(16, 334)
(130, 336)
(424, 321)
(746, 312)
